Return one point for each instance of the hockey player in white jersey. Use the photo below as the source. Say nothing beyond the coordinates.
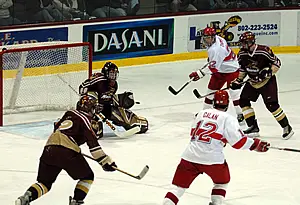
(210, 132)
(223, 66)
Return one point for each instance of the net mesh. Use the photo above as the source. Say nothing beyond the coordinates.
(43, 78)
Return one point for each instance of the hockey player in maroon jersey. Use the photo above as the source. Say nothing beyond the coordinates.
(62, 152)
(211, 130)
(259, 63)
(116, 106)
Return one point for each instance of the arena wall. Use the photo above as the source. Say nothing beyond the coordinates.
(164, 39)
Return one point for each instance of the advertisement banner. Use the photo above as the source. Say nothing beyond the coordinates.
(130, 39)
(33, 36)
(266, 27)
(45, 58)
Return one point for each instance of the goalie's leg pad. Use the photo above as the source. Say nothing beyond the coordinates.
(141, 122)
(128, 119)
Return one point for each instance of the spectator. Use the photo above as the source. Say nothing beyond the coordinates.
(53, 11)
(30, 11)
(182, 5)
(133, 7)
(107, 8)
(229, 4)
(70, 9)
(203, 5)
(5, 18)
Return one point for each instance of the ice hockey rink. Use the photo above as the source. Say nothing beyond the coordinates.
(270, 178)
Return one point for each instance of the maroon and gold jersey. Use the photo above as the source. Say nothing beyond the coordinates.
(98, 83)
(253, 62)
(73, 130)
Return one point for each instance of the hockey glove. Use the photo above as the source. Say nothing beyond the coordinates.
(107, 163)
(236, 84)
(197, 75)
(259, 145)
(265, 73)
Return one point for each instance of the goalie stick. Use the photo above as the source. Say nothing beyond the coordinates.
(174, 92)
(139, 177)
(124, 134)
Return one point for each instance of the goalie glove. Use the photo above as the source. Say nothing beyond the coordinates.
(197, 75)
(107, 163)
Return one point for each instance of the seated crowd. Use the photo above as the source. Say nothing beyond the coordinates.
(16, 12)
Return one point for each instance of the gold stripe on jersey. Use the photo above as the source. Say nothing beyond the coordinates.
(259, 84)
(40, 188)
(278, 114)
(248, 112)
(58, 138)
(84, 185)
(97, 152)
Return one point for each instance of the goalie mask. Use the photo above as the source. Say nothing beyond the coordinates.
(110, 71)
(88, 103)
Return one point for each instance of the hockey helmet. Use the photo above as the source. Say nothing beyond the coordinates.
(221, 99)
(208, 31)
(209, 36)
(110, 71)
(88, 103)
(247, 39)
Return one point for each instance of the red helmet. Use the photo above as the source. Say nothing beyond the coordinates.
(247, 36)
(221, 99)
(209, 31)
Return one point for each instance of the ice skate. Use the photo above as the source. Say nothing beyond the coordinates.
(74, 202)
(24, 200)
(253, 130)
(287, 132)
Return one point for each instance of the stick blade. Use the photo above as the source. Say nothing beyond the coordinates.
(129, 132)
(196, 93)
(171, 89)
(143, 172)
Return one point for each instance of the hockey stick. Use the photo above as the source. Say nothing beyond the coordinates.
(174, 92)
(124, 134)
(285, 149)
(139, 177)
(199, 96)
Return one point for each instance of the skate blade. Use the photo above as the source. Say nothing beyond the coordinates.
(289, 135)
(18, 202)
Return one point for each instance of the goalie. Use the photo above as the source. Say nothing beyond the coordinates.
(116, 107)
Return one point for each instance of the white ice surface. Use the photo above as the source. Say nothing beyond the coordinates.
(270, 178)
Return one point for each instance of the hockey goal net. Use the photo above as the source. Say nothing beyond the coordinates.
(42, 76)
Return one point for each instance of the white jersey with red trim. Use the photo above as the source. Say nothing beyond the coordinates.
(210, 130)
(222, 58)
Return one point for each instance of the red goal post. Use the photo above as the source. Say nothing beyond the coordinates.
(38, 76)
